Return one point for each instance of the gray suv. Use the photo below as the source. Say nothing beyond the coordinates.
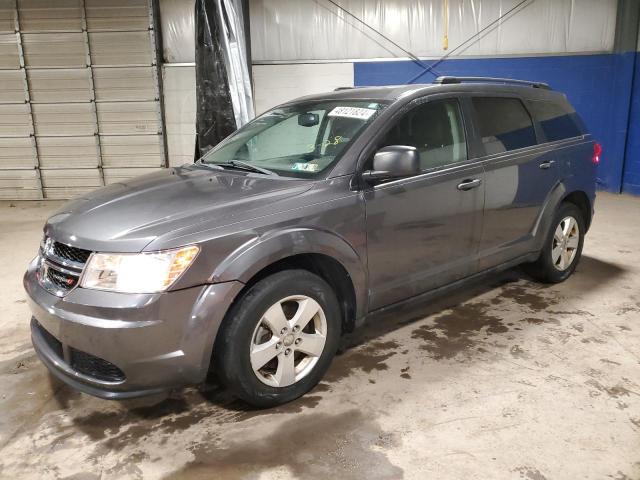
(253, 261)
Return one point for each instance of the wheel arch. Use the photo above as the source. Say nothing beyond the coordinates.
(580, 200)
(559, 194)
(322, 253)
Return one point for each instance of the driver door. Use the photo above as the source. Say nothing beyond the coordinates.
(423, 231)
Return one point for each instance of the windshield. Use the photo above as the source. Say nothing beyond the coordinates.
(299, 140)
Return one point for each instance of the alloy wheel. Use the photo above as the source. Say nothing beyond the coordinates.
(288, 341)
(565, 243)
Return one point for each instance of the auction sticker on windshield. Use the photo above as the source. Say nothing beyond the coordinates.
(352, 112)
(306, 167)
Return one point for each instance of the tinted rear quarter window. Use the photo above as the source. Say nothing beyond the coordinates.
(558, 120)
(504, 124)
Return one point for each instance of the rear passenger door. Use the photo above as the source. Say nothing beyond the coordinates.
(519, 176)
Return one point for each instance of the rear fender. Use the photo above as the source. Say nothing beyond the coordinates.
(543, 222)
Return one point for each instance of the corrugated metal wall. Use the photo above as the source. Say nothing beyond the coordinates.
(79, 95)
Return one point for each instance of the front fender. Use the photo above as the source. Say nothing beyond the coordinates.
(249, 259)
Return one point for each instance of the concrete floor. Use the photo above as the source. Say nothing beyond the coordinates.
(509, 379)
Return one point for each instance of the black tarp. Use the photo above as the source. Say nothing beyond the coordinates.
(214, 114)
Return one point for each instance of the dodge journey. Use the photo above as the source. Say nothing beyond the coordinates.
(320, 213)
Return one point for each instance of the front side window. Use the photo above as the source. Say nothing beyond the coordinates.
(558, 121)
(301, 140)
(435, 129)
(504, 124)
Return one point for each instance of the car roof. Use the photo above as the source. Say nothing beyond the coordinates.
(394, 93)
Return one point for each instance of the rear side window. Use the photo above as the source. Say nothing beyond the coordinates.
(504, 124)
(558, 120)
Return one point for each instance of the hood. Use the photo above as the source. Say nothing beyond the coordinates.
(127, 216)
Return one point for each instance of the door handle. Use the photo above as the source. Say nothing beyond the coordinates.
(546, 165)
(469, 184)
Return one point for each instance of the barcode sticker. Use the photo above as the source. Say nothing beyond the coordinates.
(352, 112)
(306, 167)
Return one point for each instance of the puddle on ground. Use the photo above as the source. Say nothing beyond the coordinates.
(536, 301)
(368, 358)
(308, 446)
(121, 427)
(454, 331)
(457, 330)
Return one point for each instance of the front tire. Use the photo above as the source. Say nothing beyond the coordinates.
(562, 248)
(279, 338)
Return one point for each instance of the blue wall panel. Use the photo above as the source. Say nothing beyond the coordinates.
(597, 85)
(631, 178)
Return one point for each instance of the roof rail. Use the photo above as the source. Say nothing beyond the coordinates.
(451, 80)
(337, 89)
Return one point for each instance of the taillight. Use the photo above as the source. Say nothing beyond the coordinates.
(597, 151)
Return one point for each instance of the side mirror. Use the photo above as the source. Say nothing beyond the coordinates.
(395, 161)
(308, 119)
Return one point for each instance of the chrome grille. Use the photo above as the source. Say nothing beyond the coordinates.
(73, 254)
(61, 280)
(61, 266)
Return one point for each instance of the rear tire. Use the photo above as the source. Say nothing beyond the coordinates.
(278, 339)
(562, 247)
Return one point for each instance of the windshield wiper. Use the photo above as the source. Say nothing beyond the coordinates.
(208, 165)
(239, 164)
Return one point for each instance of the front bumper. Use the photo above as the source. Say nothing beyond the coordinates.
(158, 341)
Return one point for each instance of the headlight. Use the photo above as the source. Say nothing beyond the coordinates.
(138, 272)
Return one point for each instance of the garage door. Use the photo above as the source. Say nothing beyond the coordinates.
(79, 96)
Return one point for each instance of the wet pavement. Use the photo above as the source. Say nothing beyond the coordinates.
(504, 379)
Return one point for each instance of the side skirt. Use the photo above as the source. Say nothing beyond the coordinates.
(440, 291)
